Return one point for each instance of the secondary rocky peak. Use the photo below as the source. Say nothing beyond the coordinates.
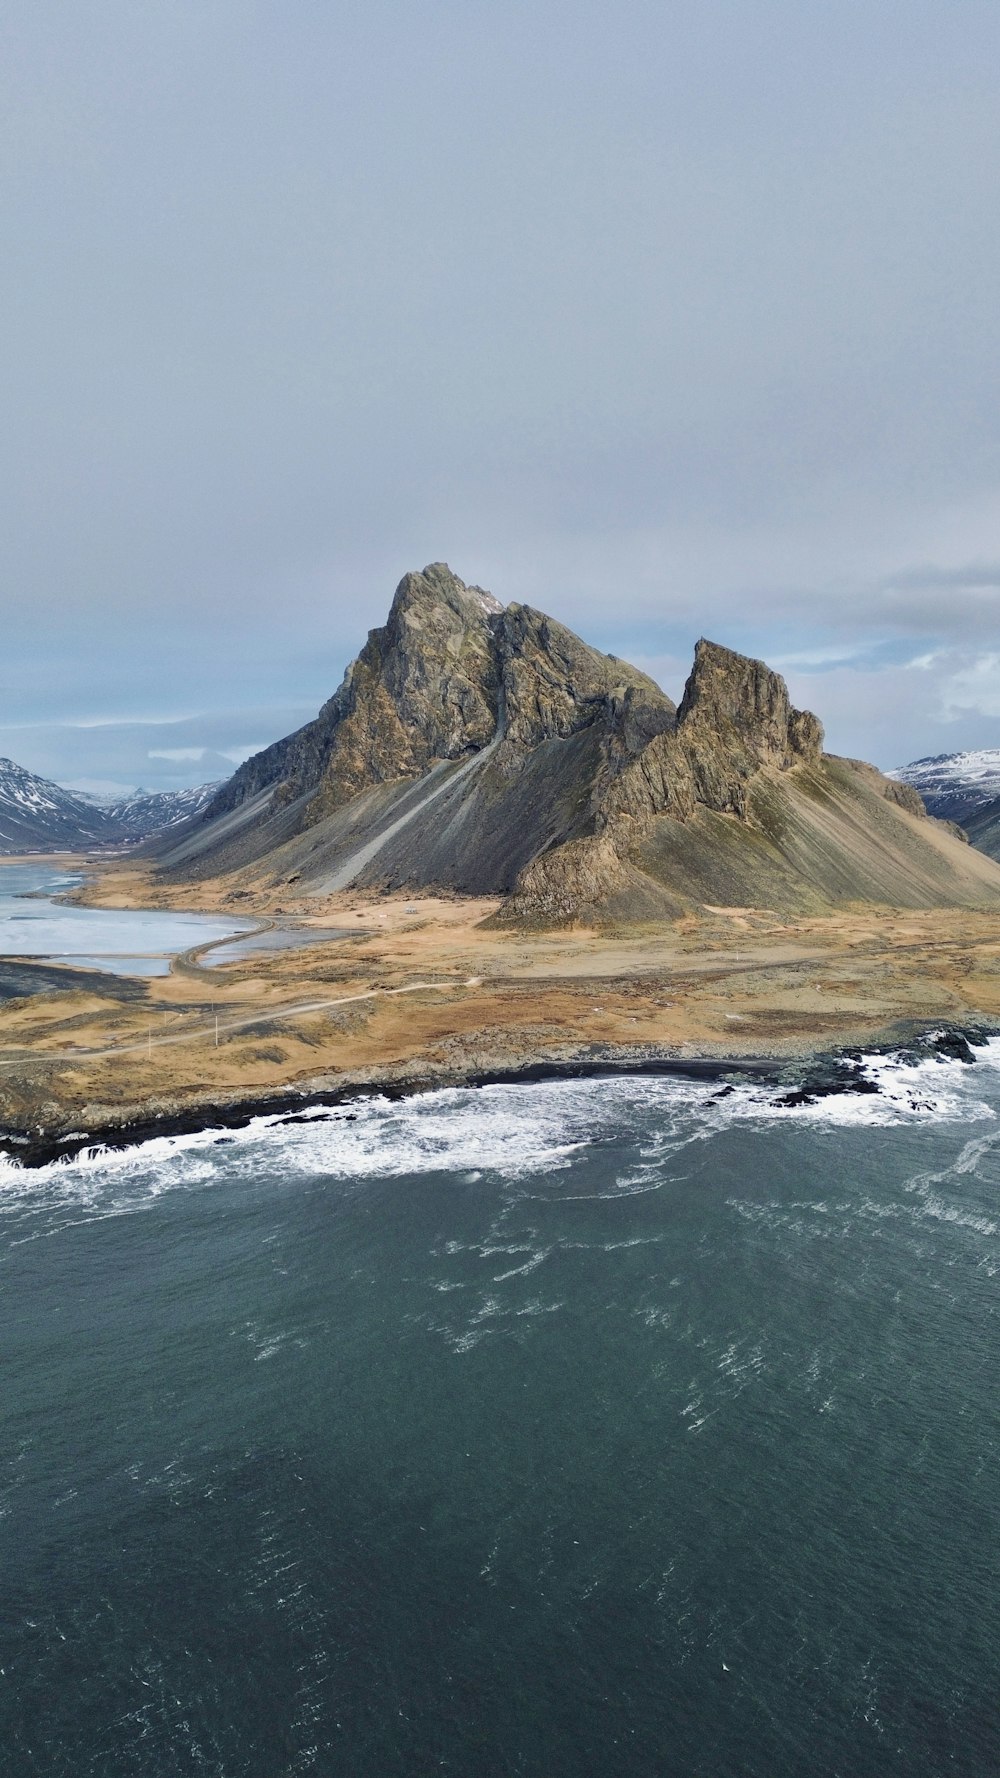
(554, 685)
(734, 695)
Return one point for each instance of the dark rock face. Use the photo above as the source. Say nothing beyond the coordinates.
(983, 829)
(734, 718)
(553, 685)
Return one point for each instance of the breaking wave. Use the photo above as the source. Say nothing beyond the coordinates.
(514, 1133)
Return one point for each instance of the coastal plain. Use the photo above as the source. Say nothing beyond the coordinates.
(420, 990)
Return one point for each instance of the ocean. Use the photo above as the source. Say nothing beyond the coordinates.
(616, 1427)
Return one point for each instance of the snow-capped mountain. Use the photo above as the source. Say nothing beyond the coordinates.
(150, 811)
(955, 786)
(39, 816)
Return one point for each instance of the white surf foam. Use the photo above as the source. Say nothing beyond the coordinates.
(513, 1133)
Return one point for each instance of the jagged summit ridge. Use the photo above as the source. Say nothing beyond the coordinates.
(450, 672)
(485, 748)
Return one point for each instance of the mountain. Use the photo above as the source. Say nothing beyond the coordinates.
(962, 787)
(955, 786)
(147, 812)
(486, 749)
(983, 828)
(38, 816)
(466, 737)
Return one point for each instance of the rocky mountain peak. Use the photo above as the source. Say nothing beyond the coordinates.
(436, 595)
(733, 695)
(450, 671)
(453, 671)
(487, 749)
(424, 688)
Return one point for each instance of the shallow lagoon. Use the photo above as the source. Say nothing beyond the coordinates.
(126, 941)
(278, 938)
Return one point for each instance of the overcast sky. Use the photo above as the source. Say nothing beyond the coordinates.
(672, 319)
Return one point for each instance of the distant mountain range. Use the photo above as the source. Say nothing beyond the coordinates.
(146, 812)
(38, 816)
(963, 787)
(955, 785)
(486, 749)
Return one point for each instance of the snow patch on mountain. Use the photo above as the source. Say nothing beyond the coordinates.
(151, 811)
(954, 785)
(36, 815)
(39, 816)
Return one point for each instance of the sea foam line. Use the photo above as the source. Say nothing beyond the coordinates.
(511, 1131)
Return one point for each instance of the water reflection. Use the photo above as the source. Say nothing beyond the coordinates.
(280, 938)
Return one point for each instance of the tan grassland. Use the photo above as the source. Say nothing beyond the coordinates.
(422, 991)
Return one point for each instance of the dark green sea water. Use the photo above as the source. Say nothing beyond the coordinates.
(601, 1428)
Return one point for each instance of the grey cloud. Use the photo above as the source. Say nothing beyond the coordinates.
(666, 319)
(974, 575)
(158, 755)
(895, 713)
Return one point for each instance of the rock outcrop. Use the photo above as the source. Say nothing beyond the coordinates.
(486, 749)
(734, 719)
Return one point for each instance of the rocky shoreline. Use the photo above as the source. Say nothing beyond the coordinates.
(798, 1080)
